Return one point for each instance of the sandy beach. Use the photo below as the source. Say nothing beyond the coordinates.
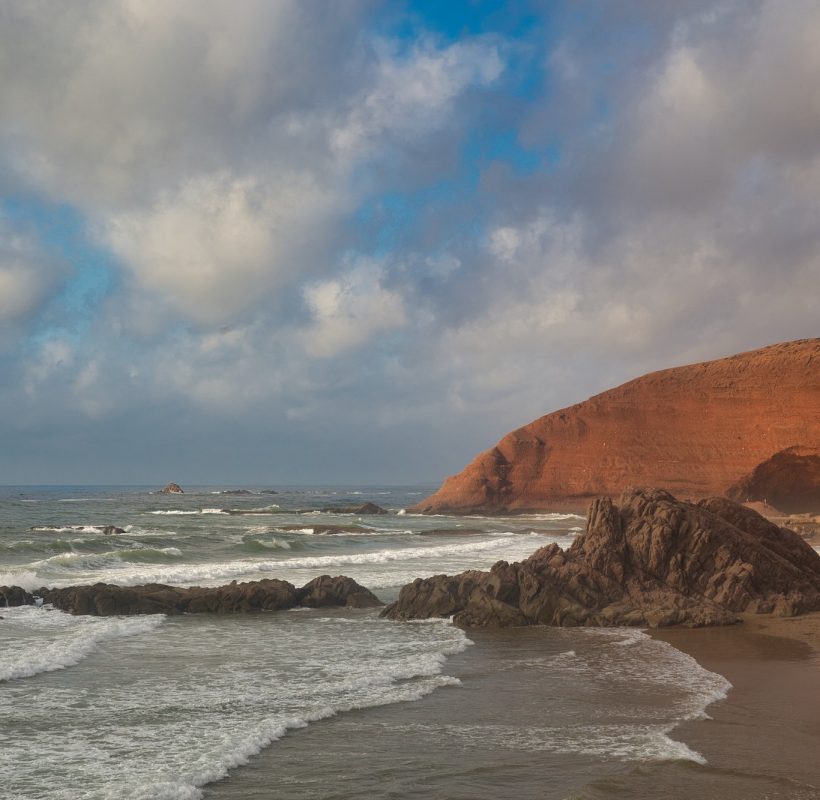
(763, 740)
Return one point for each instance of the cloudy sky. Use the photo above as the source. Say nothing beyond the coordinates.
(280, 242)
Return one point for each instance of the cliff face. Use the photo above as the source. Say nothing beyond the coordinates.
(693, 430)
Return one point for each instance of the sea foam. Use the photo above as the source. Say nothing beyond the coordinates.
(44, 640)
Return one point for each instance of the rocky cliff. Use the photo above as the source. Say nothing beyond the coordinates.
(650, 560)
(694, 430)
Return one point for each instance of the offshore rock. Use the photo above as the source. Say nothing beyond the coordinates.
(367, 508)
(651, 561)
(340, 591)
(101, 599)
(172, 488)
(693, 430)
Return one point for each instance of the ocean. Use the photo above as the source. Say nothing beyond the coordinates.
(309, 703)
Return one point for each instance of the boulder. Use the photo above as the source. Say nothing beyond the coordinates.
(339, 591)
(650, 560)
(172, 488)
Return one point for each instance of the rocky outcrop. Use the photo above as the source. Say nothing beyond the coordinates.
(789, 481)
(101, 599)
(651, 561)
(325, 591)
(172, 488)
(693, 430)
(367, 508)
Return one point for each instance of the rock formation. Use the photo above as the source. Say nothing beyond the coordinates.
(101, 599)
(652, 561)
(367, 508)
(172, 488)
(693, 430)
(789, 481)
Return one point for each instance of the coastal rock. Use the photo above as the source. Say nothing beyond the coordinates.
(789, 480)
(694, 430)
(367, 508)
(101, 599)
(651, 561)
(15, 596)
(172, 488)
(339, 591)
(111, 530)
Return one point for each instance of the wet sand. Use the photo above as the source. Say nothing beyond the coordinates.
(763, 741)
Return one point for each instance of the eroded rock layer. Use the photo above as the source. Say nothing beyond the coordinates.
(651, 560)
(693, 430)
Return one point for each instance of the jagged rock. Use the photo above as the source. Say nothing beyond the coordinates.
(694, 430)
(110, 530)
(340, 591)
(172, 488)
(789, 480)
(101, 599)
(652, 561)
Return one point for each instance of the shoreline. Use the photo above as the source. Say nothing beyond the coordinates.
(762, 740)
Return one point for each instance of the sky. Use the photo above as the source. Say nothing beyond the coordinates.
(342, 242)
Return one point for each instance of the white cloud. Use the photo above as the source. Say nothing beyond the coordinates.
(414, 94)
(219, 244)
(349, 310)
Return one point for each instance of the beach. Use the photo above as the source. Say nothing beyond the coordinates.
(338, 703)
(481, 740)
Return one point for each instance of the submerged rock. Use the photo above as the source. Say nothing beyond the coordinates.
(101, 599)
(651, 561)
(110, 530)
(172, 488)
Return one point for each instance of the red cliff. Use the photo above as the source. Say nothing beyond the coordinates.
(695, 430)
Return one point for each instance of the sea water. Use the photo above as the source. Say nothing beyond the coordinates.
(305, 703)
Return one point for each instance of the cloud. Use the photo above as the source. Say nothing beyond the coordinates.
(28, 275)
(322, 234)
(219, 243)
(347, 311)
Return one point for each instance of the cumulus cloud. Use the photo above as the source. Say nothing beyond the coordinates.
(350, 309)
(217, 244)
(287, 196)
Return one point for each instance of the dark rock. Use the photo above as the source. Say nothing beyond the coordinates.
(339, 591)
(15, 596)
(172, 488)
(327, 530)
(452, 532)
(789, 480)
(236, 491)
(110, 530)
(650, 561)
(101, 599)
(367, 508)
